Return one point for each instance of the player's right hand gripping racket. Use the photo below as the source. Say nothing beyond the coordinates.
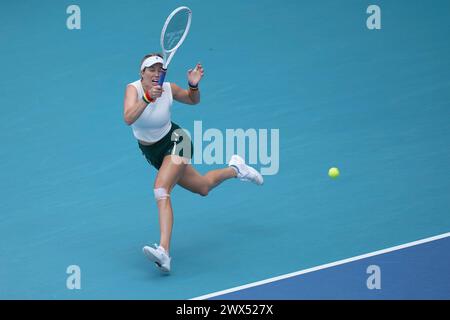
(173, 34)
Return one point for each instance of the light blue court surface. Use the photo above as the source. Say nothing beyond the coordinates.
(75, 189)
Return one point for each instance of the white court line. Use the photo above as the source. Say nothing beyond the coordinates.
(324, 266)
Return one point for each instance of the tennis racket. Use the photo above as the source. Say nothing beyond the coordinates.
(173, 34)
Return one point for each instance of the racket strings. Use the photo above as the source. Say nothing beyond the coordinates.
(176, 29)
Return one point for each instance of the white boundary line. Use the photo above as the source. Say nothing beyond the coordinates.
(324, 266)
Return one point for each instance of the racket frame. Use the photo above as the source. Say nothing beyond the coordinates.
(168, 54)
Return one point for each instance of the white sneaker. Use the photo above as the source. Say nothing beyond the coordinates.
(159, 256)
(245, 172)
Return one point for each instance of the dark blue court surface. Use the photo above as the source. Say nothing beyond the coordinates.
(417, 272)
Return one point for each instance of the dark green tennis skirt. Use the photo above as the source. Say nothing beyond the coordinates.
(175, 142)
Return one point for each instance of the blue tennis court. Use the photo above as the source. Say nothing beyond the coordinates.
(417, 270)
(317, 87)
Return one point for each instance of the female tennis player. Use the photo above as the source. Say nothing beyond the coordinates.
(147, 108)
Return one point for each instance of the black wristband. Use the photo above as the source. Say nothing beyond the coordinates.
(192, 86)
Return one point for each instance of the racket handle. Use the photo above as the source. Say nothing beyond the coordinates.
(162, 76)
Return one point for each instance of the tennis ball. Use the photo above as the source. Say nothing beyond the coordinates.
(333, 173)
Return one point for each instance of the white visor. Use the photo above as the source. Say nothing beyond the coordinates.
(151, 61)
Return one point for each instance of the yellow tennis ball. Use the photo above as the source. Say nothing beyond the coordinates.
(333, 173)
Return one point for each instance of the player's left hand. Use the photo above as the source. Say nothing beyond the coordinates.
(195, 75)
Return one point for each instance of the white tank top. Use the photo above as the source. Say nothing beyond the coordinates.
(154, 122)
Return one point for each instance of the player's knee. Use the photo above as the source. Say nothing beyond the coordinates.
(161, 193)
(203, 191)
